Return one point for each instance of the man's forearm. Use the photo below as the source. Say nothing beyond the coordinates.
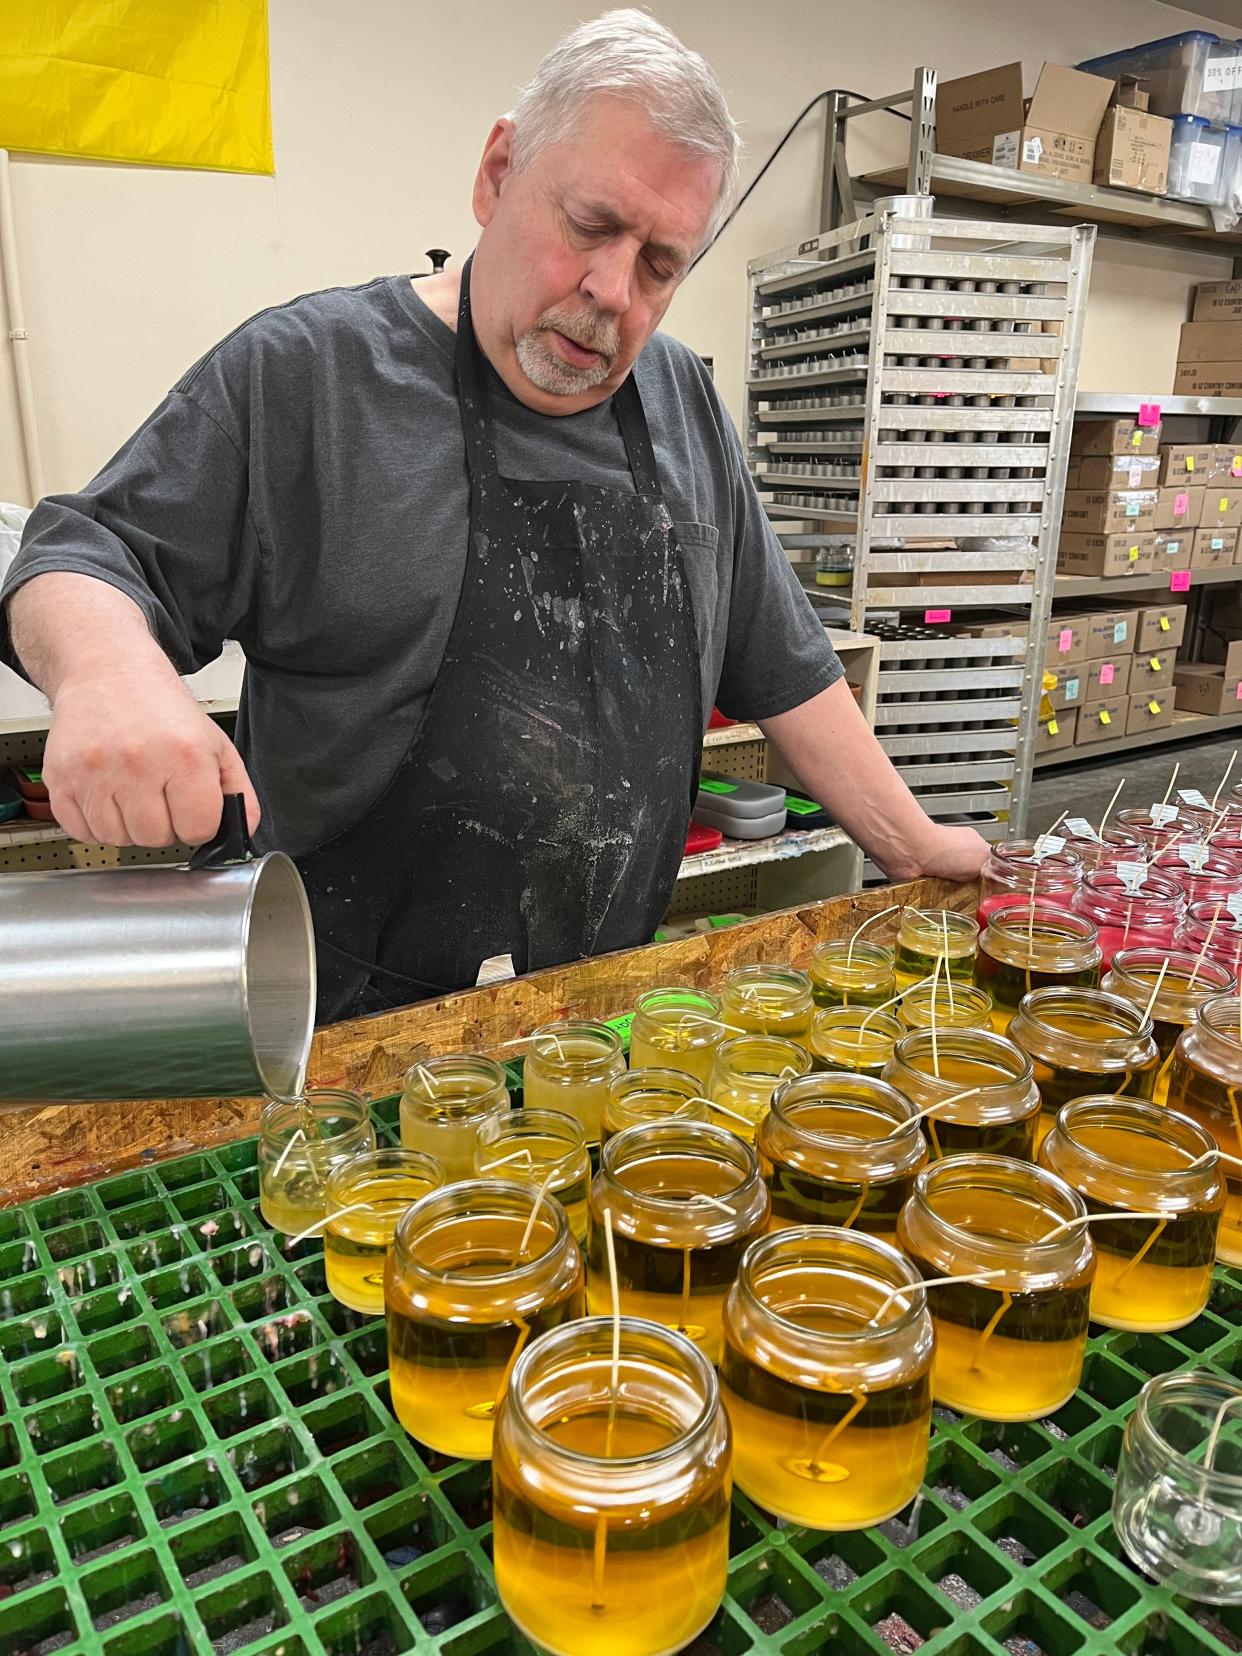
(72, 627)
(834, 753)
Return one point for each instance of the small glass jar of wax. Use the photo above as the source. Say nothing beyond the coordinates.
(852, 1039)
(922, 935)
(1009, 1347)
(1127, 1156)
(768, 1000)
(746, 1072)
(1102, 851)
(1205, 1083)
(1177, 1504)
(826, 1374)
(1128, 913)
(1204, 874)
(568, 1067)
(651, 1095)
(366, 1196)
(844, 973)
(685, 1201)
(471, 1278)
(1017, 873)
(1214, 931)
(999, 1118)
(445, 1101)
(1185, 982)
(611, 1490)
(1157, 835)
(1219, 820)
(546, 1148)
(677, 1029)
(301, 1142)
(839, 1149)
(1024, 949)
(1083, 1041)
(968, 1007)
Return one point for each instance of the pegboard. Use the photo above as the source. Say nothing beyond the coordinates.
(67, 853)
(24, 747)
(723, 893)
(745, 760)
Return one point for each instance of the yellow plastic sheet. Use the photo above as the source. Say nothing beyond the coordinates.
(172, 83)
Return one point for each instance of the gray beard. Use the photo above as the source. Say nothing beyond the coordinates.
(551, 373)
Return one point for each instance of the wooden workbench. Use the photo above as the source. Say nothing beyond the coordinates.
(44, 1148)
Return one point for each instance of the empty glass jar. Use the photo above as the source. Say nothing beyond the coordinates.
(301, 1143)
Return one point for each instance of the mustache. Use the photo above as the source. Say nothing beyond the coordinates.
(590, 329)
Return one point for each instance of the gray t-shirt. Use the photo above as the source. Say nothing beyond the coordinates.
(304, 490)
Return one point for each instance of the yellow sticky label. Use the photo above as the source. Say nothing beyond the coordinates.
(1153, 706)
(1164, 623)
(1236, 468)
(1134, 554)
(1190, 462)
(1155, 664)
(1053, 727)
(1105, 716)
(1137, 440)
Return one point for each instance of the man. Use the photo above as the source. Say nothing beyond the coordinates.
(489, 544)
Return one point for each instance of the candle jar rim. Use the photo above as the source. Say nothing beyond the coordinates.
(863, 960)
(929, 923)
(675, 997)
(374, 1164)
(472, 1196)
(785, 977)
(832, 1241)
(843, 1088)
(1130, 1023)
(542, 1043)
(487, 1093)
(535, 1122)
(919, 993)
(1108, 1109)
(1004, 1173)
(781, 1054)
(690, 1138)
(1220, 1017)
(1157, 887)
(982, 1045)
(1017, 857)
(1156, 1393)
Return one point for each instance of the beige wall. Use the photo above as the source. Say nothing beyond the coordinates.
(380, 108)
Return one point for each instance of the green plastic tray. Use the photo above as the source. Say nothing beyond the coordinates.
(197, 1454)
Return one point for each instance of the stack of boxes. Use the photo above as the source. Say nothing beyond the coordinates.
(1110, 673)
(1209, 352)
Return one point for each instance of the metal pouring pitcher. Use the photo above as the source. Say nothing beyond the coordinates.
(185, 982)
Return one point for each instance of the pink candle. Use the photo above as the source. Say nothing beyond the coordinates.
(1016, 873)
(1126, 915)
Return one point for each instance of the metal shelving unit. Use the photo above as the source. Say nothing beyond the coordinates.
(939, 449)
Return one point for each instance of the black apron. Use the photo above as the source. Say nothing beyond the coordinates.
(541, 810)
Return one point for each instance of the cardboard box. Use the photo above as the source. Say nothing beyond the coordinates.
(1066, 642)
(1214, 548)
(1057, 732)
(1217, 301)
(1216, 341)
(1132, 554)
(1227, 655)
(1071, 688)
(981, 117)
(1150, 710)
(1132, 150)
(1115, 436)
(1110, 633)
(1152, 672)
(1173, 549)
(1101, 721)
(1186, 463)
(1200, 689)
(1105, 680)
(1112, 471)
(1227, 467)
(1178, 507)
(1159, 626)
(1208, 379)
(1222, 507)
(1109, 511)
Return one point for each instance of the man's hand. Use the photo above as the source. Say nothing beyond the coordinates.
(131, 759)
(956, 854)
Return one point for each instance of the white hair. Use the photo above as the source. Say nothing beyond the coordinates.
(629, 55)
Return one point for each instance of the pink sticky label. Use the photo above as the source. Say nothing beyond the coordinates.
(1065, 641)
(1179, 581)
(1149, 414)
(1181, 504)
(1107, 673)
(932, 617)
(1238, 697)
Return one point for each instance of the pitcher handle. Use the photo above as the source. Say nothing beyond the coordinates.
(232, 843)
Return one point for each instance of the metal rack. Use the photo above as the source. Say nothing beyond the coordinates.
(910, 392)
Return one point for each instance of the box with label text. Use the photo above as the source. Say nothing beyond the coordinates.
(1204, 689)
(1057, 732)
(981, 117)
(1070, 689)
(1103, 680)
(1152, 670)
(1207, 379)
(1214, 548)
(1217, 302)
(1101, 721)
(1112, 471)
(1149, 710)
(1109, 511)
(1159, 626)
(1066, 641)
(1116, 436)
(1173, 549)
(1186, 463)
(1178, 507)
(1129, 554)
(1132, 150)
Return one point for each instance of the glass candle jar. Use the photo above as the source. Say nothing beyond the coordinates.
(844, 973)
(445, 1101)
(651, 1095)
(545, 1148)
(745, 1073)
(839, 1150)
(1011, 1347)
(1177, 1516)
(1115, 845)
(1204, 874)
(301, 1141)
(851, 1039)
(968, 1007)
(1015, 874)
(611, 1492)
(1215, 932)
(1024, 949)
(1126, 919)
(1205, 1083)
(768, 1000)
(676, 1029)
(1128, 1156)
(685, 1202)
(998, 1118)
(1186, 983)
(470, 1279)
(921, 942)
(1157, 835)
(826, 1375)
(366, 1196)
(1082, 1041)
(568, 1067)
